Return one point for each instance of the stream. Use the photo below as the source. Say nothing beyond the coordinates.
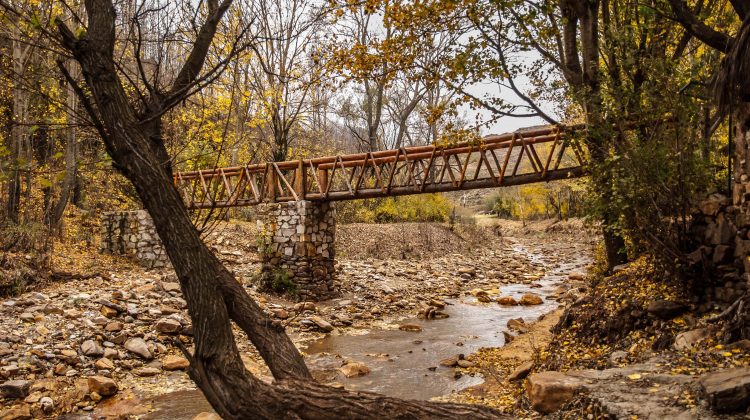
(406, 364)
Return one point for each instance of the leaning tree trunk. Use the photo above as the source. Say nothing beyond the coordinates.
(213, 296)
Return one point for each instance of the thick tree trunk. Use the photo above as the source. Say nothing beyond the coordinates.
(213, 296)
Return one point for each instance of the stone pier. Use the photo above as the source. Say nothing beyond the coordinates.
(132, 233)
(297, 245)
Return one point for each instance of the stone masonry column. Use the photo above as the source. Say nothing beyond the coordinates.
(133, 233)
(297, 245)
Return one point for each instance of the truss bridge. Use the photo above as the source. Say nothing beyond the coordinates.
(538, 154)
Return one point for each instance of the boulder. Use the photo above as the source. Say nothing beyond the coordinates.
(15, 389)
(727, 391)
(102, 385)
(139, 347)
(530, 299)
(548, 391)
(353, 369)
(666, 309)
(686, 340)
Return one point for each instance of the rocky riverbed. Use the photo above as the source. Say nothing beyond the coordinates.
(106, 345)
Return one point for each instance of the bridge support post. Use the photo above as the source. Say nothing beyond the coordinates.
(297, 247)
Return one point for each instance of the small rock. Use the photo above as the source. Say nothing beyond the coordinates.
(108, 312)
(666, 309)
(170, 286)
(410, 327)
(114, 327)
(576, 276)
(548, 391)
(322, 323)
(522, 371)
(617, 356)
(207, 416)
(102, 385)
(517, 324)
(15, 389)
(20, 413)
(507, 301)
(280, 313)
(111, 354)
(727, 391)
(147, 371)
(530, 299)
(104, 364)
(450, 361)
(688, 339)
(47, 405)
(175, 363)
(139, 347)
(91, 348)
(353, 369)
(168, 326)
(463, 363)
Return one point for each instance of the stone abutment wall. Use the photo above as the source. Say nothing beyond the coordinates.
(132, 233)
(297, 245)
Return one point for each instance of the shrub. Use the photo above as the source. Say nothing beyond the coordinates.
(278, 281)
(411, 208)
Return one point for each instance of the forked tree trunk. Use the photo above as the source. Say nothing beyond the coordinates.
(213, 296)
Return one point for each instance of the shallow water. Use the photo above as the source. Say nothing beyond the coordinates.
(406, 364)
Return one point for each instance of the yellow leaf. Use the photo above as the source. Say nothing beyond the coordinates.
(634, 376)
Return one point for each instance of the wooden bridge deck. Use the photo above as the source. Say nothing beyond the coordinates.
(524, 157)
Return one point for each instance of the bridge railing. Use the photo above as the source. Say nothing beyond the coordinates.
(524, 157)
